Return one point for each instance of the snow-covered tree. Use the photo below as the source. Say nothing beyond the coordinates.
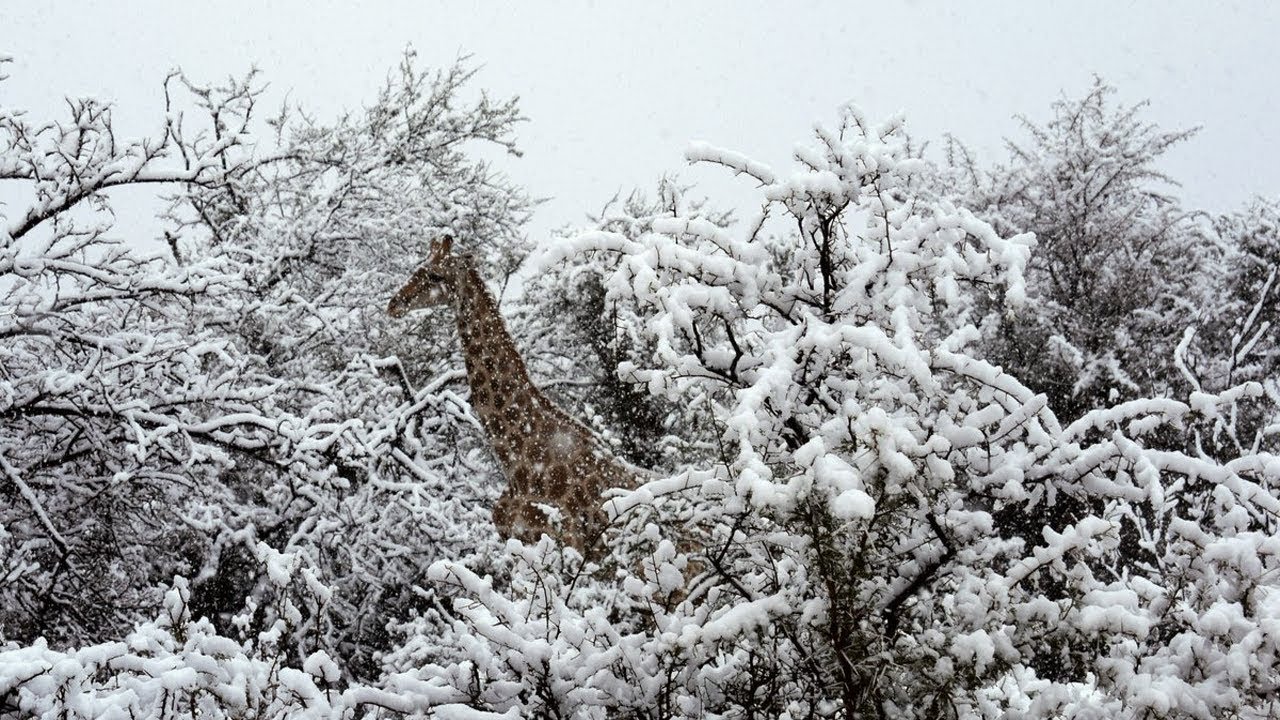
(1251, 292)
(898, 528)
(862, 514)
(1233, 338)
(119, 408)
(326, 222)
(1116, 275)
(170, 412)
(333, 215)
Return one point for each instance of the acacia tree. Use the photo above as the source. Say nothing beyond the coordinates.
(899, 528)
(336, 214)
(326, 224)
(174, 413)
(1119, 268)
(120, 407)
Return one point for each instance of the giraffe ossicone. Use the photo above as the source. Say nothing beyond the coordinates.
(548, 457)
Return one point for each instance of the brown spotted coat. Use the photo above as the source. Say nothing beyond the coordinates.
(548, 457)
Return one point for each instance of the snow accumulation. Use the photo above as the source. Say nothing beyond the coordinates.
(894, 472)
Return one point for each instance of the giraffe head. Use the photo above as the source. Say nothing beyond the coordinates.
(431, 284)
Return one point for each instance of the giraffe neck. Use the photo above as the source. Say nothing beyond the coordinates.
(487, 347)
(509, 406)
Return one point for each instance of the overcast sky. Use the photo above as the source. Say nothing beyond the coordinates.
(614, 91)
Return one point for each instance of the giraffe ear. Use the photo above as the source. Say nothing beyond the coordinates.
(442, 247)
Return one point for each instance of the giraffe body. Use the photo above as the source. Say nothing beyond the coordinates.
(550, 460)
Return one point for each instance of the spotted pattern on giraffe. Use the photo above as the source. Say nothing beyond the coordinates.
(548, 457)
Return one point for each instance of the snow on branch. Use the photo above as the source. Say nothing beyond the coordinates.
(891, 524)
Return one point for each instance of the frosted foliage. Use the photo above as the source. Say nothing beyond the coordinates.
(1120, 268)
(180, 666)
(169, 412)
(856, 513)
(117, 410)
(1235, 338)
(576, 339)
(897, 527)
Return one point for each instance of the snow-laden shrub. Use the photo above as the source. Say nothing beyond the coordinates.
(897, 528)
(165, 408)
(1120, 267)
(118, 408)
(179, 666)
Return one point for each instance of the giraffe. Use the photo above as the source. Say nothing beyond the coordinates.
(548, 458)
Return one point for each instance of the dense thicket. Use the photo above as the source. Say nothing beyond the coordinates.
(173, 412)
(927, 440)
(1119, 265)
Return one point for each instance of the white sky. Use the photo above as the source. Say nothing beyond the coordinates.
(615, 90)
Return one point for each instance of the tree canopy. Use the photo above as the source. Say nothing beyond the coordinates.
(920, 438)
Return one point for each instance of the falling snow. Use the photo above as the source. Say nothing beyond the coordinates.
(906, 435)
